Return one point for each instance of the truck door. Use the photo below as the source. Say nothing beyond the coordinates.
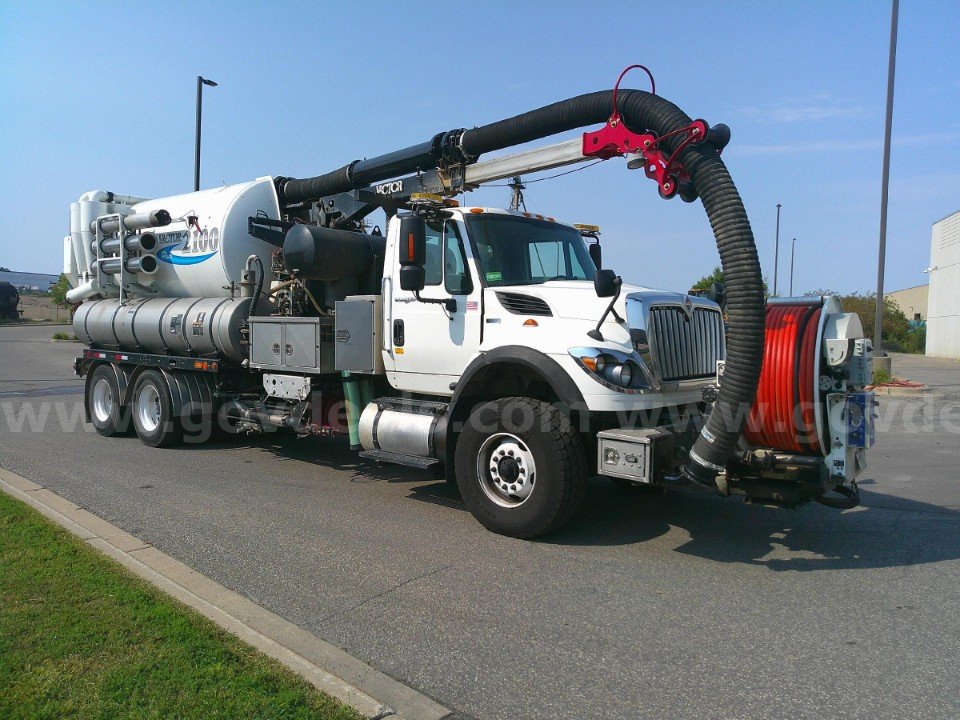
(428, 345)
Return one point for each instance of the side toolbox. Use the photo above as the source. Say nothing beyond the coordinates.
(293, 344)
(359, 322)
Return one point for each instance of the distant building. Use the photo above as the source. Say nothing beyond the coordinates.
(912, 301)
(29, 282)
(943, 309)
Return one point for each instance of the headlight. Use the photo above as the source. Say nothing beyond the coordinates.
(622, 375)
(613, 368)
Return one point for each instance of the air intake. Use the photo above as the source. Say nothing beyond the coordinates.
(523, 304)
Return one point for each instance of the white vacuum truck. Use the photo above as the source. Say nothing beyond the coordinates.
(480, 343)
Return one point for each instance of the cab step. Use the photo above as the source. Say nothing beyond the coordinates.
(414, 461)
(411, 405)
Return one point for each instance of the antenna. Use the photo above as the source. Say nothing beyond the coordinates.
(517, 186)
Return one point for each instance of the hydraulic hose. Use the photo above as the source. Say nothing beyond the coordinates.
(258, 289)
(783, 414)
(643, 111)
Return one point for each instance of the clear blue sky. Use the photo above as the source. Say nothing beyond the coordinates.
(101, 96)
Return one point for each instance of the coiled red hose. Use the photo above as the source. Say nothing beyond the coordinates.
(783, 415)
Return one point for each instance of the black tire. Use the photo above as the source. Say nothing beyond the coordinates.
(152, 411)
(522, 432)
(108, 415)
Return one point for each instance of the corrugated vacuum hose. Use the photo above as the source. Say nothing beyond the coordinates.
(643, 111)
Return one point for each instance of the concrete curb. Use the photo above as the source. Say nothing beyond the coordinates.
(896, 391)
(325, 666)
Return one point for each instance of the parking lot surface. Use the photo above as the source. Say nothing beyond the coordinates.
(680, 605)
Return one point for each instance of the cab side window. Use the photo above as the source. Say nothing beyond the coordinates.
(433, 268)
(456, 273)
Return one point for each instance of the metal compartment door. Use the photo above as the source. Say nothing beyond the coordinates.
(300, 344)
(266, 343)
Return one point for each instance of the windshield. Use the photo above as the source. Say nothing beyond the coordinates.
(513, 250)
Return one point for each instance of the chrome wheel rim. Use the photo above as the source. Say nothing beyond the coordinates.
(102, 400)
(148, 408)
(506, 470)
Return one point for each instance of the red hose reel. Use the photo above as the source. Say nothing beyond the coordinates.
(785, 411)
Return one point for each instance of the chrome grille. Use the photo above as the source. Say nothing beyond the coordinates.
(683, 346)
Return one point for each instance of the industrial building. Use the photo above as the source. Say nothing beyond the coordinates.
(943, 309)
(912, 301)
(28, 282)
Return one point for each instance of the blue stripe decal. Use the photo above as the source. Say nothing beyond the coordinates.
(166, 255)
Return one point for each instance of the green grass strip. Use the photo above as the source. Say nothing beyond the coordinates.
(81, 637)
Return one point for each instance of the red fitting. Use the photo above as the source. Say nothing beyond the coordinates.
(615, 139)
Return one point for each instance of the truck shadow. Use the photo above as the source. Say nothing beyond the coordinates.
(885, 531)
(332, 453)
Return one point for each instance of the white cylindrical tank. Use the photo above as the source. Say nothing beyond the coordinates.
(205, 256)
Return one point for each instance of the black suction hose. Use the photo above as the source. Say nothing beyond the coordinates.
(442, 147)
(738, 253)
(294, 191)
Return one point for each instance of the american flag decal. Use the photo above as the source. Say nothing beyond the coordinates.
(473, 305)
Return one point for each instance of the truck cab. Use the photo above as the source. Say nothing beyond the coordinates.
(523, 289)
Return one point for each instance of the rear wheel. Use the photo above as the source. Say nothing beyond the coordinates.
(105, 407)
(520, 467)
(152, 411)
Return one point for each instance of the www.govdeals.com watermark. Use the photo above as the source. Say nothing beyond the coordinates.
(915, 416)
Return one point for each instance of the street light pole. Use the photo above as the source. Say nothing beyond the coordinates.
(882, 254)
(201, 81)
(793, 247)
(776, 253)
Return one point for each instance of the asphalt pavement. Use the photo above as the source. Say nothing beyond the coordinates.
(675, 606)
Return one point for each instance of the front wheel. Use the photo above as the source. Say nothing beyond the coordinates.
(520, 467)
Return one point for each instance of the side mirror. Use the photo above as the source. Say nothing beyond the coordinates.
(717, 293)
(605, 283)
(412, 277)
(596, 254)
(413, 241)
